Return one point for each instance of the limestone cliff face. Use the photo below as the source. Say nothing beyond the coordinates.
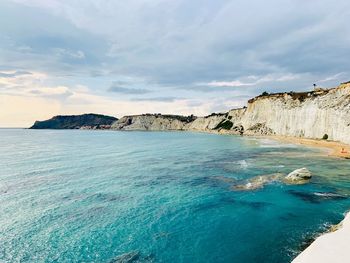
(152, 122)
(158, 122)
(206, 123)
(304, 114)
(309, 115)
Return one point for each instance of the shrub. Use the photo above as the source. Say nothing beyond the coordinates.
(264, 93)
(325, 137)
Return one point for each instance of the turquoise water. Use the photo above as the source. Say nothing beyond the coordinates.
(91, 196)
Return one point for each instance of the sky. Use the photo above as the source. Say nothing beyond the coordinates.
(120, 57)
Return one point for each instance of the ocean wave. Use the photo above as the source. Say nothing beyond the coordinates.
(330, 195)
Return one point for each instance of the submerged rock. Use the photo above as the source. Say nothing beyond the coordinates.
(127, 257)
(258, 182)
(298, 176)
(317, 197)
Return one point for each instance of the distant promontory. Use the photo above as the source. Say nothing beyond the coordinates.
(84, 121)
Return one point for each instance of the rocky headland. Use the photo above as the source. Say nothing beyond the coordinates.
(84, 121)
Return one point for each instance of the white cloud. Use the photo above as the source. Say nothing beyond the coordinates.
(234, 83)
(256, 80)
(31, 84)
(10, 79)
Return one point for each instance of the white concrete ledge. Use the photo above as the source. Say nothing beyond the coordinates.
(333, 247)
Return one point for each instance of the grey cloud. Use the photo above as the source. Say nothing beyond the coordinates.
(181, 43)
(210, 89)
(158, 99)
(123, 90)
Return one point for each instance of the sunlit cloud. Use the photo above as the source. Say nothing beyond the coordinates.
(253, 80)
(235, 83)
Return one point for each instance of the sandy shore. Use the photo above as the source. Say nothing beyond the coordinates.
(335, 149)
(331, 247)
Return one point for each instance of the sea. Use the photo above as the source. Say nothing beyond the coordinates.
(112, 196)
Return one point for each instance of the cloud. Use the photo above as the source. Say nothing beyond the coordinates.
(195, 50)
(69, 53)
(11, 74)
(234, 83)
(58, 92)
(17, 80)
(176, 43)
(29, 84)
(252, 81)
(159, 99)
(123, 90)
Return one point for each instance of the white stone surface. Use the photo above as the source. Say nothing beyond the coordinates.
(332, 247)
(312, 118)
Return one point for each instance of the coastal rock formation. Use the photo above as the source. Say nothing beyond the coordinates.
(307, 114)
(301, 175)
(152, 122)
(207, 123)
(322, 113)
(84, 121)
(298, 176)
(258, 182)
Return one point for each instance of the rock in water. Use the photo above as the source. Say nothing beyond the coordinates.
(298, 176)
(258, 182)
(132, 256)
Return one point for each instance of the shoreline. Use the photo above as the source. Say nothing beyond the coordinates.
(333, 148)
(333, 245)
(329, 247)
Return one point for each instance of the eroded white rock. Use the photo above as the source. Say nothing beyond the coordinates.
(299, 175)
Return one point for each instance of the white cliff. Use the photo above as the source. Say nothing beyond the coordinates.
(152, 122)
(206, 123)
(309, 114)
(304, 114)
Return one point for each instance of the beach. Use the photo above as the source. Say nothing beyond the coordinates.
(333, 148)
